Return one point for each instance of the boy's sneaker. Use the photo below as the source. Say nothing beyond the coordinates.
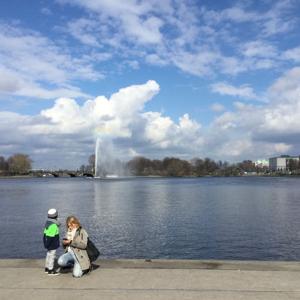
(53, 272)
(46, 270)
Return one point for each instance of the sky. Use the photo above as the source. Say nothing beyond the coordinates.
(183, 78)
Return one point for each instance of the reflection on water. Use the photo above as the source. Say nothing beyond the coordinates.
(205, 218)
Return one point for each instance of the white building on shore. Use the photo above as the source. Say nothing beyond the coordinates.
(261, 163)
(281, 163)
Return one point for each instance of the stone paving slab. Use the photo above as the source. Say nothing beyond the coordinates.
(158, 279)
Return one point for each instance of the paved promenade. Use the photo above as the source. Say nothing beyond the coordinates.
(157, 279)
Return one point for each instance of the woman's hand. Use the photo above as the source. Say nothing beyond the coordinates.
(66, 242)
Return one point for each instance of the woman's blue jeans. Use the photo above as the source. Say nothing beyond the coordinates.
(67, 260)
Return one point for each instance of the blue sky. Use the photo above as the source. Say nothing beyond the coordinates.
(156, 78)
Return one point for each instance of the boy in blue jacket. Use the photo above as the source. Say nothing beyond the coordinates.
(51, 240)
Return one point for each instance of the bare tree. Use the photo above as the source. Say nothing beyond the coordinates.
(92, 161)
(19, 164)
(3, 165)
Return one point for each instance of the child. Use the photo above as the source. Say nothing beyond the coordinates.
(51, 240)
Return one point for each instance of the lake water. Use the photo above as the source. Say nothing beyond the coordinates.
(188, 218)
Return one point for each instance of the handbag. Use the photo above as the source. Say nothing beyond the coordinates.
(92, 250)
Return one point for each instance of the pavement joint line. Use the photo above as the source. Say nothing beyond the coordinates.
(165, 268)
(159, 290)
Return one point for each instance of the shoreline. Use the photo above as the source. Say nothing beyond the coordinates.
(182, 264)
(152, 176)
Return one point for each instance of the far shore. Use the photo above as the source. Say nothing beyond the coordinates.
(153, 176)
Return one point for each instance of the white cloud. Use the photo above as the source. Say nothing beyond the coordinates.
(217, 107)
(158, 129)
(31, 63)
(237, 14)
(261, 64)
(286, 88)
(9, 82)
(232, 65)
(111, 117)
(69, 128)
(195, 63)
(162, 132)
(145, 32)
(46, 11)
(259, 49)
(134, 17)
(226, 121)
(183, 34)
(196, 40)
(283, 118)
(155, 59)
(243, 91)
(269, 128)
(292, 54)
(276, 20)
(134, 64)
(12, 83)
(282, 147)
(279, 19)
(235, 148)
(85, 31)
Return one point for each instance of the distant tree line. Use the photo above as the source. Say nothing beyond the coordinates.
(176, 167)
(293, 166)
(17, 164)
(171, 166)
(20, 164)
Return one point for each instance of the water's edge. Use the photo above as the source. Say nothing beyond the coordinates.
(170, 264)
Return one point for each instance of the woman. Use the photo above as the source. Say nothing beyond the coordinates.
(75, 243)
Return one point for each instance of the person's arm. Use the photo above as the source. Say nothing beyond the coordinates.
(66, 242)
(80, 241)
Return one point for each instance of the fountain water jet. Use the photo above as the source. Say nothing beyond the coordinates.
(106, 165)
(96, 158)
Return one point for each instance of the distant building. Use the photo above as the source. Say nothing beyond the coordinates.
(281, 163)
(261, 163)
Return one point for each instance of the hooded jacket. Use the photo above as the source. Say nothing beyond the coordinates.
(51, 234)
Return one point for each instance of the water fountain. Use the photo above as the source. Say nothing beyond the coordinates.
(96, 158)
(106, 165)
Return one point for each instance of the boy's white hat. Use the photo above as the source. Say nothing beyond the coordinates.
(52, 213)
